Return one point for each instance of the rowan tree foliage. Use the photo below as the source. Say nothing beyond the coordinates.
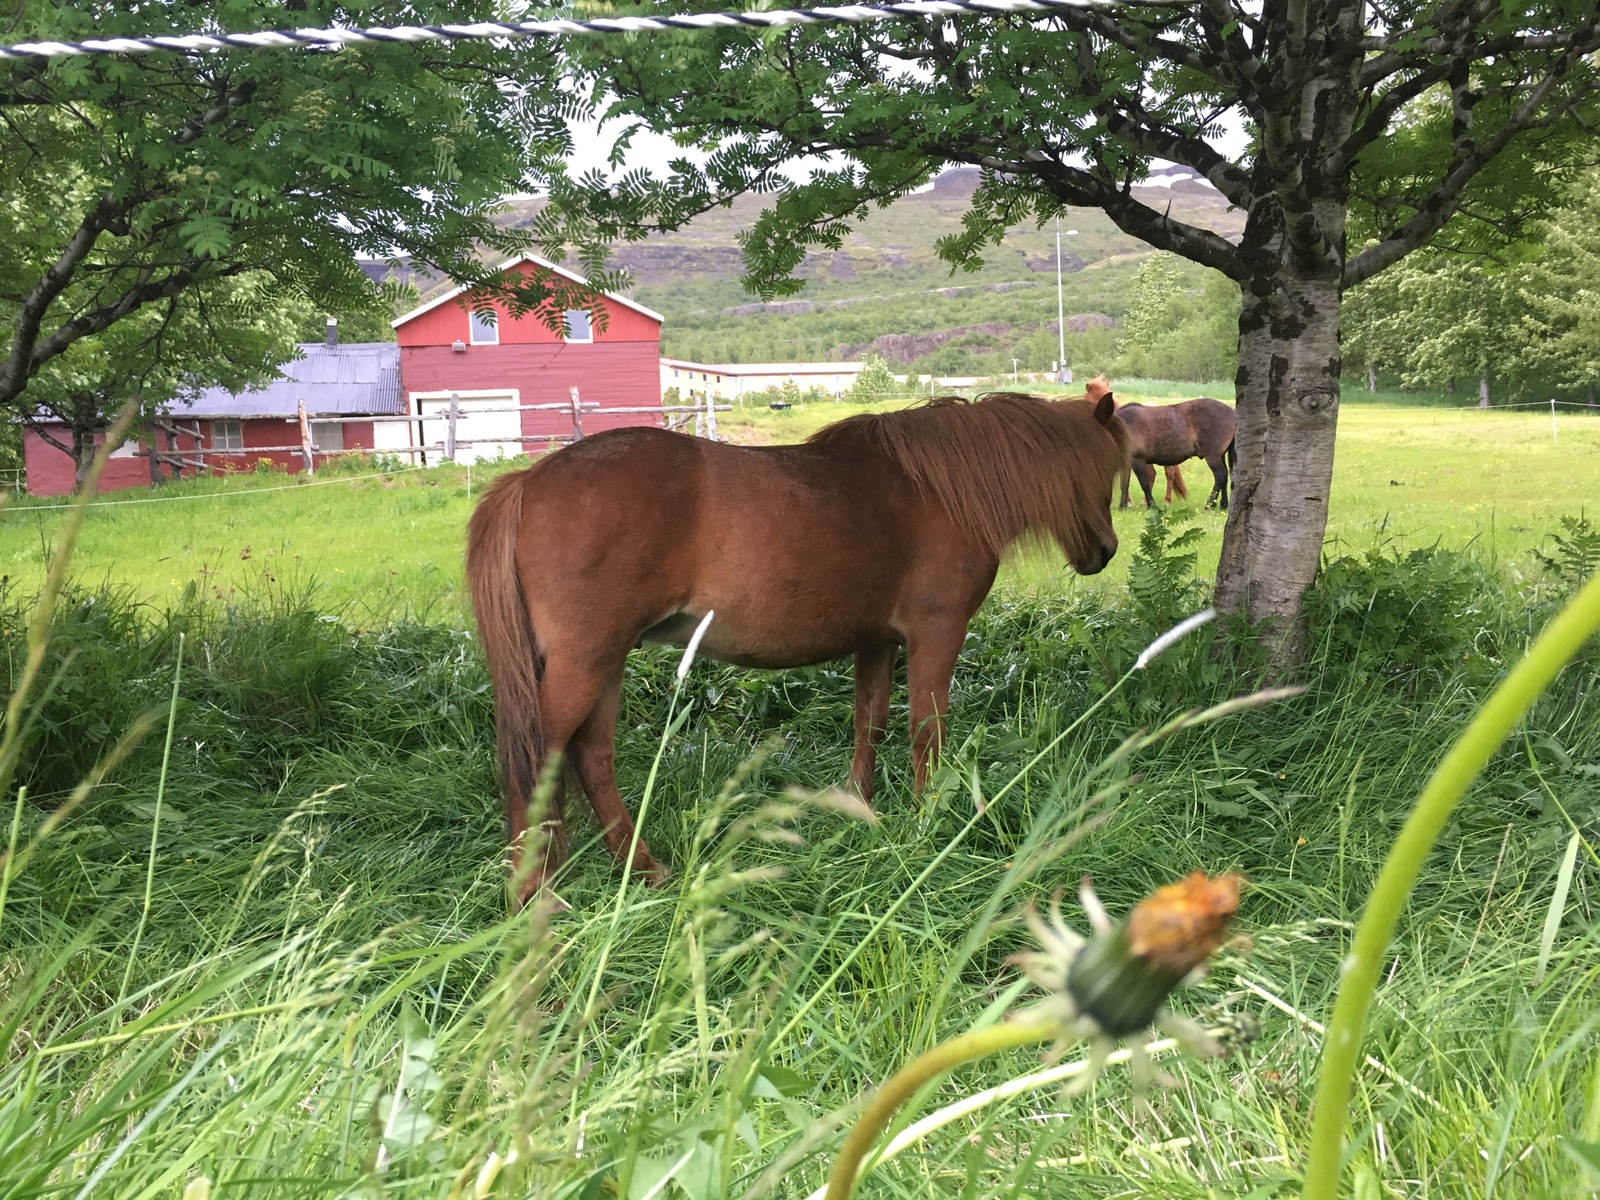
(128, 181)
(1373, 127)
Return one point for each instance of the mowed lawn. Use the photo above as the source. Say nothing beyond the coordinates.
(378, 546)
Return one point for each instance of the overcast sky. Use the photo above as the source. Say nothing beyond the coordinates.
(653, 152)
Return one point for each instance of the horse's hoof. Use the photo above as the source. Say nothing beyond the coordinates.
(656, 875)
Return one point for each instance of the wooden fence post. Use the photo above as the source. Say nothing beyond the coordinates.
(450, 426)
(711, 416)
(577, 415)
(305, 439)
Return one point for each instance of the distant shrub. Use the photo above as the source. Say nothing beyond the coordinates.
(874, 383)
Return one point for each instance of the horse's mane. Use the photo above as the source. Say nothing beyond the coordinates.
(1003, 465)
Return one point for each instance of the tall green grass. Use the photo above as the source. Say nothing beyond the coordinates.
(330, 999)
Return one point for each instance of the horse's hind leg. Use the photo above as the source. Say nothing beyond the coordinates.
(874, 679)
(1147, 481)
(930, 661)
(1219, 480)
(1125, 501)
(1175, 483)
(593, 753)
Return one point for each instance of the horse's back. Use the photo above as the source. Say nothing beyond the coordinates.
(1213, 423)
(790, 545)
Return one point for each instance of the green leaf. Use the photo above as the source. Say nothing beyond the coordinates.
(701, 1176)
(207, 235)
(1587, 1153)
(785, 1081)
(1558, 907)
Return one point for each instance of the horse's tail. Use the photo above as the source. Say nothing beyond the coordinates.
(1233, 455)
(507, 634)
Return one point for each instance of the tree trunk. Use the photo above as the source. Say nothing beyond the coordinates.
(1372, 378)
(1483, 390)
(82, 456)
(1591, 396)
(1287, 390)
(1450, 385)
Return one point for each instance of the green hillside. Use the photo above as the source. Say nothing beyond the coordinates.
(887, 282)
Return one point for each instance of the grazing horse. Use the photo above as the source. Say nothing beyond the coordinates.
(883, 530)
(1165, 435)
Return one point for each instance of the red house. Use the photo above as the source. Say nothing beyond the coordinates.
(510, 363)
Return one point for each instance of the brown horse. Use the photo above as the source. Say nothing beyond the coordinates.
(1165, 435)
(883, 530)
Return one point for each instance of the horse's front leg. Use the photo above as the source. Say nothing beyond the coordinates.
(874, 680)
(930, 661)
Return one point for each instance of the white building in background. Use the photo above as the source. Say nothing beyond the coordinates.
(734, 381)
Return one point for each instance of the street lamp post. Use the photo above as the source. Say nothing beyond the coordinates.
(1061, 311)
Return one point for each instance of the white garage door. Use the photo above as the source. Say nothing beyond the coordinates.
(485, 418)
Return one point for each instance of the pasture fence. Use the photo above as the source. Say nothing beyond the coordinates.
(446, 443)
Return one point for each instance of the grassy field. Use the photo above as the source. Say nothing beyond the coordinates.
(373, 548)
(270, 954)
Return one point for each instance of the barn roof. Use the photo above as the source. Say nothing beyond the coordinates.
(534, 260)
(357, 378)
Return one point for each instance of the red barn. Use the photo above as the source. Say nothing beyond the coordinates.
(495, 367)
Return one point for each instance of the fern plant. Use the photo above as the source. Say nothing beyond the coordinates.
(1575, 552)
(1161, 577)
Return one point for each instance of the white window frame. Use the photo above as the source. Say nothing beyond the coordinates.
(320, 429)
(472, 330)
(222, 431)
(566, 327)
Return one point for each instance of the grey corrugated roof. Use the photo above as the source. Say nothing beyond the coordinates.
(362, 377)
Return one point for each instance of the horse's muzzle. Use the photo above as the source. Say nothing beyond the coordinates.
(1108, 551)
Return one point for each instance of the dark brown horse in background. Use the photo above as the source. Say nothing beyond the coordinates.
(1164, 435)
(883, 530)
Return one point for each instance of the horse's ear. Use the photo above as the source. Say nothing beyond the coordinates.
(1105, 408)
(1096, 387)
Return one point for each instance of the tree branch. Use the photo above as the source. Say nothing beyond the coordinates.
(21, 364)
(1441, 204)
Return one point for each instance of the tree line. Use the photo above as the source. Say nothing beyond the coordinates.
(1517, 326)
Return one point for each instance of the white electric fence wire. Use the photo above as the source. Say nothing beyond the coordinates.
(247, 491)
(290, 39)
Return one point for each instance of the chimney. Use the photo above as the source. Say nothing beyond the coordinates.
(333, 331)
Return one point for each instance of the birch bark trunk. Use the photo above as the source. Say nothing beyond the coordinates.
(1287, 390)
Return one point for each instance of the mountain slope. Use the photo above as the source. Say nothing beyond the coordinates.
(886, 291)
